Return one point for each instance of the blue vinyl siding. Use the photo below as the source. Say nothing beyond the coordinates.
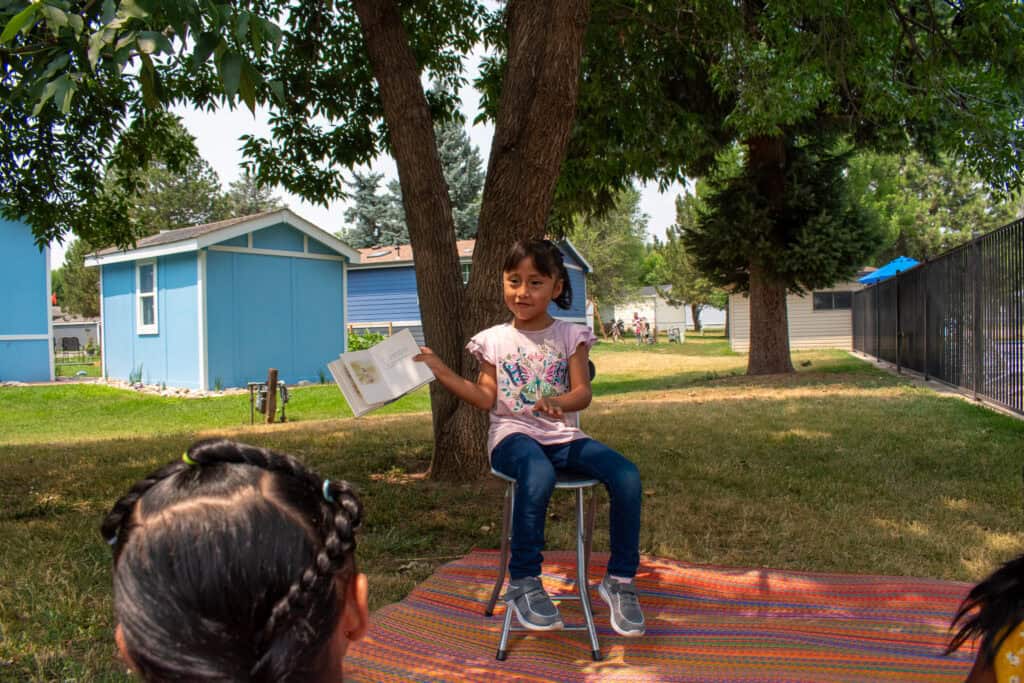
(389, 293)
(172, 355)
(271, 312)
(23, 304)
(382, 294)
(281, 237)
(24, 309)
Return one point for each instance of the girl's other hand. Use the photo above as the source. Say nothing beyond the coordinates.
(430, 359)
(549, 407)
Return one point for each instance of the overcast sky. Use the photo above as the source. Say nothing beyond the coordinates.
(217, 137)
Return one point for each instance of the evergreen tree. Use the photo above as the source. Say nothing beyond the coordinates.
(245, 196)
(687, 285)
(379, 219)
(81, 284)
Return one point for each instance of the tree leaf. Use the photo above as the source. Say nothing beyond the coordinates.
(242, 26)
(230, 71)
(108, 12)
(18, 22)
(205, 46)
(148, 78)
(277, 88)
(151, 42)
(139, 9)
(247, 86)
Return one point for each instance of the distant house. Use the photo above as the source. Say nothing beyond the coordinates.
(218, 304)
(660, 313)
(382, 288)
(74, 332)
(820, 320)
(25, 334)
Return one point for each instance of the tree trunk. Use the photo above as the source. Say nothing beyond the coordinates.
(769, 326)
(695, 312)
(535, 116)
(597, 319)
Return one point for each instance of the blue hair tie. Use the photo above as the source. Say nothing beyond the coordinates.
(327, 491)
(112, 540)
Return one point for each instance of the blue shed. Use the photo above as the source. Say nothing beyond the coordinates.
(218, 304)
(382, 288)
(26, 352)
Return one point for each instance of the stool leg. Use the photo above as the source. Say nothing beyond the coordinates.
(582, 582)
(589, 540)
(503, 643)
(506, 539)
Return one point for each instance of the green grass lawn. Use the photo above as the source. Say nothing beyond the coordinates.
(93, 369)
(838, 468)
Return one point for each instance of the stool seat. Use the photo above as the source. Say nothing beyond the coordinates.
(563, 480)
(584, 535)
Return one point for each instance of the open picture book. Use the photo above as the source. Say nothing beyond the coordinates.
(381, 374)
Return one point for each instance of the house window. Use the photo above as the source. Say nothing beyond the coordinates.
(832, 301)
(145, 297)
(465, 272)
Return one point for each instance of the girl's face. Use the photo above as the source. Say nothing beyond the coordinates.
(527, 294)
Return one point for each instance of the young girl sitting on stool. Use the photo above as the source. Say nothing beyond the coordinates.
(236, 563)
(533, 378)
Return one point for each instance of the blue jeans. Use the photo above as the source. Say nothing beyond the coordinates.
(533, 466)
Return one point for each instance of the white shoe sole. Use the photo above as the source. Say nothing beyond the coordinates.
(608, 599)
(556, 626)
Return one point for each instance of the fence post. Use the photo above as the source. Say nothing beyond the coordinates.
(878, 352)
(899, 328)
(978, 358)
(927, 330)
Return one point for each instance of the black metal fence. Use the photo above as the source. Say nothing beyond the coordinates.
(958, 318)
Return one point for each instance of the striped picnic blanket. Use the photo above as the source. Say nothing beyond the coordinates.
(704, 623)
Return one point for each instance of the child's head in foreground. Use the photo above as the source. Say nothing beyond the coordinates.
(546, 259)
(236, 563)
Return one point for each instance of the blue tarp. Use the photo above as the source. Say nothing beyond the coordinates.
(897, 265)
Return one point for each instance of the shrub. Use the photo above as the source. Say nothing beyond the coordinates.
(360, 342)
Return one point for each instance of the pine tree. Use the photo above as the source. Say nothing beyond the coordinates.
(245, 197)
(370, 217)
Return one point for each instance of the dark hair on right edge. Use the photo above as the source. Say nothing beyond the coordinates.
(547, 258)
(228, 569)
(991, 610)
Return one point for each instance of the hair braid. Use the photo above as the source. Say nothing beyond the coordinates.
(113, 527)
(338, 522)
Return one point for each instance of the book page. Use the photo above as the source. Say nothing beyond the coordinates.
(368, 376)
(394, 360)
(348, 388)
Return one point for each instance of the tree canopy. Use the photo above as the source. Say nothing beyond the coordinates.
(925, 208)
(668, 86)
(344, 83)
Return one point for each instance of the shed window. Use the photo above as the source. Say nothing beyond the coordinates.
(832, 301)
(145, 297)
(465, 272)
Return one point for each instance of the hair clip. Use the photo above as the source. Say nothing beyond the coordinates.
(112, 540)
(187, 460)
(327, 491)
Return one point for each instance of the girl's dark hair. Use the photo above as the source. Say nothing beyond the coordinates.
(228, 569)
(991, 610)
(548, 260)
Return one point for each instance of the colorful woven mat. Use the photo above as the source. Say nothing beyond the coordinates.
(703, 624)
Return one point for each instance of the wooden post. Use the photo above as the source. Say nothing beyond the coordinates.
(390, 330)
(271, 394)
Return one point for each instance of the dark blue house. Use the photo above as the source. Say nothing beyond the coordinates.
(382, 288)
(216, 305)
(26, 353)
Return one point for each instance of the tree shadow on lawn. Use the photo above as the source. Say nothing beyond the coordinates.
(889, 482)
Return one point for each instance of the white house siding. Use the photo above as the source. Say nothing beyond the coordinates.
(808, 328)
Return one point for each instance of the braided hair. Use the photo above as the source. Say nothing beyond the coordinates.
(548, 260)
(232, 564)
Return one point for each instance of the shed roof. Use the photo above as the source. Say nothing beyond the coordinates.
(196, 237)
(402, 253)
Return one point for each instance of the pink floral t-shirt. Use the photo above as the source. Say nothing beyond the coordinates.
(530, 365)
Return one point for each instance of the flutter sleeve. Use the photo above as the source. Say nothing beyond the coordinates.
(481, 346)
(579, 335)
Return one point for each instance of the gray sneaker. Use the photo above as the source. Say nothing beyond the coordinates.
(626, 617)
(532, 605)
